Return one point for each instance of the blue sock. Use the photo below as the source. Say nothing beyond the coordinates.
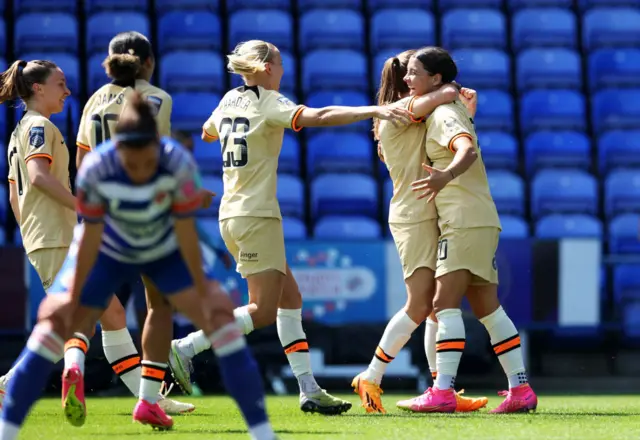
(241, 378)
(44, 348)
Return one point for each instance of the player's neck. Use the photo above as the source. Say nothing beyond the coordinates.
(256, 83)
(39, 108)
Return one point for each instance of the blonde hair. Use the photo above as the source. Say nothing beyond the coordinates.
(248, 58)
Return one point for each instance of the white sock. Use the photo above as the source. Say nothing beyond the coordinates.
(75, 351)
(243, 318)
(263, 431)
(123, 356)
(395, 336)
(8, 431)
(506, 345)
(46, 343)
(296, 347)
(430, 334)
(449, 347)
(194, 343)
(151, 382)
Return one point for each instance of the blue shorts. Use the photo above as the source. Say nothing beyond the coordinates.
(169, 274)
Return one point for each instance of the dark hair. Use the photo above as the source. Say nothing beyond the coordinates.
(437, 60)
(18, 80)
(392, 83)
(136, 127)
(128, 52)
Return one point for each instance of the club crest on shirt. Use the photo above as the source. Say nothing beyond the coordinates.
(155, 104)
(36, 137)
(284, 100)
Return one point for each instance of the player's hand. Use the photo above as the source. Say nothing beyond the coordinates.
(469, 98)
(396, 115)
(380, 154)
(433, 184)
(207, 198)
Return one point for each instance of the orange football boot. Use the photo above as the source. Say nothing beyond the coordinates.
(469, 404)
(369, 393)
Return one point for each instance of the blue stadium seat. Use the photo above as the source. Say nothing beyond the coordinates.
(379, 60)
(610, 27)
(289, 162)
(290, 194)
(4, 201)
(306, 5)
(549, 149)
(513, 227)
(557, 226)
(46, 32)
(208, 156)
(346, 228)
(94, 6)
(626, 282)
(552, 110)
(192, 71)
(102, 27)
(68, 120)
(269, 25)
(376, 5)
(163, 6)
(97, 76)
(68, 63)
(622, 192)
(499, 150)
(538, 27)
(17, 237)
(190, 110)
(631, 320)
(288, 82)
(615, 109)
(623, 234)
(586, 4)
(387, 195)
(211, 227)
(614, 68)
(212, 183)
(3, 37)
(192, 30)
(334, 69)
(549, 68)
(619, 149)
(474, 28)
(495, 111)
(393, 28)
(483, 68)
(507, 189)
(331, 152)
(25, 6)
(563, 191)
(3, 237)
(235, 5)
(455, 4)
(335, 194)
(294, 229)
(520, 4)
(335, 28)
(327, 98)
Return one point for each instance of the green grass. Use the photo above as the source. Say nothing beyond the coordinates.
(583, 417)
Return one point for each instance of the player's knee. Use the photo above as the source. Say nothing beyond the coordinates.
(265, 315)
(55, 313)
(418, 310)
(114, 318)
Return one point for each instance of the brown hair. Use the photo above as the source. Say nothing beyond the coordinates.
(18, 80)
(437, 60)
(392, 83)
(128, 52)
(136, 127)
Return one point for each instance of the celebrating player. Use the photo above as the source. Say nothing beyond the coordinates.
(130, 65)
(137, 195)
(413, 224)
(469, 231)
(250, 121)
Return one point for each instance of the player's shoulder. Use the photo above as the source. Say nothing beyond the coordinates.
(32, 119)
(174, 155)
(153, 93)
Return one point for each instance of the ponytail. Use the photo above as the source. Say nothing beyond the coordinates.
(248, 58)
(122, 67)
(18, 80)
(392, 84)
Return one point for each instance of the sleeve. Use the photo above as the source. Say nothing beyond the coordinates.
(409, 106)
(164, 115)
(40, 141)
(280, 111)
(445, 127)
(209, 130)
(10, 165)
(91, 206)
(83, 138)
(187, 196)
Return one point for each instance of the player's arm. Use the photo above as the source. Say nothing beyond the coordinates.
(39, 157)
(13, 200)
(187, 199)
(209, 131)
(164, 116)
(81, 152)
(424, 105)
(83, 139)
(465, 154)
(336, 115)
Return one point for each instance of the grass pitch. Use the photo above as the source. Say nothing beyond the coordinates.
(558, 417)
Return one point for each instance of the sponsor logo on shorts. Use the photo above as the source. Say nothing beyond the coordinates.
(47, 283)
(248, 256)
(495, 264)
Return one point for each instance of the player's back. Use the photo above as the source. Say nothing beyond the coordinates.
(466, 201)
(138, 218)
(404, 152)
(44, 222)
(103, 109)
(250, 121)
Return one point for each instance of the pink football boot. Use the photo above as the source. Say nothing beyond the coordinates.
(518, 399)
(433, 400)
(151, 414)
(75, 409)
